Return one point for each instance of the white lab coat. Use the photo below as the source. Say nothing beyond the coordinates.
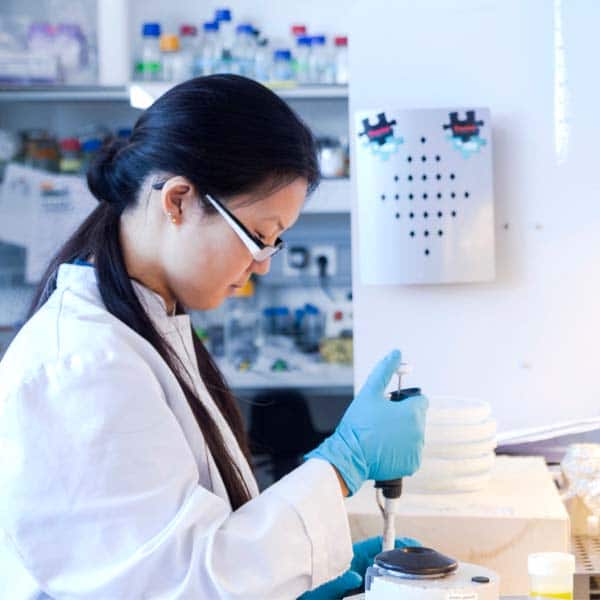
(107, 489)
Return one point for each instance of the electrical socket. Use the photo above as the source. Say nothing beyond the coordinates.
(329, 252)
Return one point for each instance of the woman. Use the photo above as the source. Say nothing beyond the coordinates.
(125, 469)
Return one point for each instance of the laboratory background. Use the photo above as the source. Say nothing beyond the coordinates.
(458, 219)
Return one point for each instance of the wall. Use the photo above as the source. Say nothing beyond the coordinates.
(528, 341)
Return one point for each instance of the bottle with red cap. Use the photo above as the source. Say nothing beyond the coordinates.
(341, 60)
(70, 156)
(297, 30)
(190, 49)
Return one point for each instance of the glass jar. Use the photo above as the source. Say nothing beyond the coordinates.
(70, 156)
(282, 66)
(551, 575)
(242, 329)
(40, 150)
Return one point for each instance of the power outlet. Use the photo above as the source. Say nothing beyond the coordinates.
(326, 250)
(293, 258)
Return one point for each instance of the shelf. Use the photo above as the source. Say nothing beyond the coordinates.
(332, 196)
(142, 95)
(64, 94)
(329, 378)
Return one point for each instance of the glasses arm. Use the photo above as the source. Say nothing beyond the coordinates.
(252, 245)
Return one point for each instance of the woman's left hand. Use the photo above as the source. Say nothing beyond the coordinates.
(365, 552)
(336, 588)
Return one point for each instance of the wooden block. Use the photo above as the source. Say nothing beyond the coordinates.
(519, 513)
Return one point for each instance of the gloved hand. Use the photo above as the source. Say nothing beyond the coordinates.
(376, 438)
(365, 551)
(335, 589)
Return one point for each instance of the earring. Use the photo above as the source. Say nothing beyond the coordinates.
(173, 218)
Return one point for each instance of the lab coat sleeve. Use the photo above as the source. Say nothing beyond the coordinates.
(101, 498)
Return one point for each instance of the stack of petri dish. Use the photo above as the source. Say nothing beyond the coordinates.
(459, 451)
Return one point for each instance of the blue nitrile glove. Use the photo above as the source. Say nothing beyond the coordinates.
(336, 588)
(365, 551)
(376, 438)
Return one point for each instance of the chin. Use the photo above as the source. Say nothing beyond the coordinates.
(205, 303)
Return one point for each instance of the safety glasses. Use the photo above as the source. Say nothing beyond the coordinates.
(259, 250)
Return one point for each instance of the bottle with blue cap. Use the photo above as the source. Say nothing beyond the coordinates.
(210, 50)
(149, 65)
(262, 61)
(244, 50)
(321, 67)
(303, 52)
(226, 29)
(282, 66)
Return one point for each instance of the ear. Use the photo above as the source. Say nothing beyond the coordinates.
(176, 198)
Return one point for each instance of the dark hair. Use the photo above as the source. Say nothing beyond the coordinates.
(227, 135)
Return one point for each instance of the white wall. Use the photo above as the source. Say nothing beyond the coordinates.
(529, 341)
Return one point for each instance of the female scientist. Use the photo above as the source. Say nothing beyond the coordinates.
(124, 470)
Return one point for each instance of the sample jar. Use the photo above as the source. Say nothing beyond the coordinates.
(551, 575)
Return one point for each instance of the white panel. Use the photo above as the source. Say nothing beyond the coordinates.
(528, 342)
(425, 198)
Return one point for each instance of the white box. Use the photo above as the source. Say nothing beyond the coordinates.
(519, 513)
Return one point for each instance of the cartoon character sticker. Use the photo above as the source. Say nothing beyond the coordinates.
(380, 138)
(464, 134)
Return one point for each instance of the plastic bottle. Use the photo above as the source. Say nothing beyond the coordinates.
(40, 150)
(71, 48)
(177, 65)
(551, 575)
(40, 42)
(70, 156)
(190, 47)
(226, 29)
(242, 329)
(321, 63)
(341, 60)
(149, 66)
(262, 61)
(244, 50)
(296, 31)
(114, 59)
(302, 63)
(88, 149)
(210, 52)
(282, 66)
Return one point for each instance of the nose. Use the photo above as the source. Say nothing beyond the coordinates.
(262, 267)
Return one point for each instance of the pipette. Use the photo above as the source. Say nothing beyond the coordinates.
(389, 492)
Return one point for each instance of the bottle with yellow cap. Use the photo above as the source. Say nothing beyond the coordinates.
(242, 328)
(551, 575)
(177, 64)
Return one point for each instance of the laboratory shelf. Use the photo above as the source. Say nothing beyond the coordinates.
(64, 94)
(141, 95)
(328, 378)
(332, 196)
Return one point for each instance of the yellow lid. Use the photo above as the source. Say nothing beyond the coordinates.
(246, 290)
(169, 42)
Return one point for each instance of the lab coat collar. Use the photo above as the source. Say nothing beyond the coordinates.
(82, 279)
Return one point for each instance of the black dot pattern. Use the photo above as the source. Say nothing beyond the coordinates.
(416, 195)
